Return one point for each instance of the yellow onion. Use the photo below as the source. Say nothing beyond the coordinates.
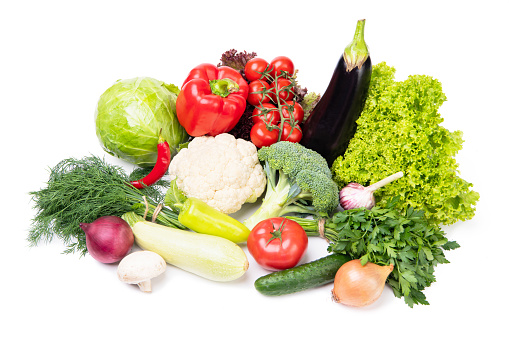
(357, 285)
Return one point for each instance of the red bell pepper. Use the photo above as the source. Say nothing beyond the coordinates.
(212, 100)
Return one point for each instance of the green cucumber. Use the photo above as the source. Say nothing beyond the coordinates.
(302, 277)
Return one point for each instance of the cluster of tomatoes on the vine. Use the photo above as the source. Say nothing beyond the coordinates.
(277, 116)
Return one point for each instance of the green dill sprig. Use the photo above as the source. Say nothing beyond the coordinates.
(388, 236)
(82, 190)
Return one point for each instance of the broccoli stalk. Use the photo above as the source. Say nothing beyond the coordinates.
(298, 182)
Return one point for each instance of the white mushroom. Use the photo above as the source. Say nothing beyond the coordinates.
(139, 267)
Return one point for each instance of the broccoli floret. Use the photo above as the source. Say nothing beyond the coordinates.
(298, 181)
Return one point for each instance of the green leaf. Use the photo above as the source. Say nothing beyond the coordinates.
(374, 248)
(348, 233)
(364, 259)
(450, 245)
(409, 276)
(361, 247)
(405, 286)
(358, 217)
(339, 218)
(398, 230)
(174, 197)
(418, 297)
(340, 246)
(428, 253)
(391, 252)
(440, 242)
(406, 255)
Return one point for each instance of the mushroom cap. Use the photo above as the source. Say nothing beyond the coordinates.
(140, 266)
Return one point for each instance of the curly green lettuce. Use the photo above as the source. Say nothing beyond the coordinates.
(399, 130)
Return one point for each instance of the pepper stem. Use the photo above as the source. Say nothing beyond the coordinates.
(356, 53)
(223, 87)
(384, 182)
(161, 139)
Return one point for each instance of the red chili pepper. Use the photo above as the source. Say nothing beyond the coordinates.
(160, 168)
(212, 100)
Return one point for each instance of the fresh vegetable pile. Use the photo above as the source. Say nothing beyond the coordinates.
(366, 166)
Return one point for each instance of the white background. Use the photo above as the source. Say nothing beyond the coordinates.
(57, 57)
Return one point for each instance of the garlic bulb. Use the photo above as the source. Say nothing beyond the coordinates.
(355, 195)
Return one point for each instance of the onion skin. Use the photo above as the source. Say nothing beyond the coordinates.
(357, 285)
(109, 239)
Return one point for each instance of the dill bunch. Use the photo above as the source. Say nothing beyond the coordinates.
(82, 190)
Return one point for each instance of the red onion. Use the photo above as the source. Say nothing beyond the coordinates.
(109, 238)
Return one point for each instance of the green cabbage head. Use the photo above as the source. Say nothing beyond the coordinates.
(131, 114)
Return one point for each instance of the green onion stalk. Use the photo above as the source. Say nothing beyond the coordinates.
(80, 191)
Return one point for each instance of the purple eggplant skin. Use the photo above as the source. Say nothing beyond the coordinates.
(332, 123)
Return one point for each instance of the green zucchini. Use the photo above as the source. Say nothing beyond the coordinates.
(302, 277)
(208, 256)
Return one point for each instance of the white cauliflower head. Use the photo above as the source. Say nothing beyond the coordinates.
(222, 171)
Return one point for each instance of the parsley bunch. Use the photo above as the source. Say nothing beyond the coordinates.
(387, 236)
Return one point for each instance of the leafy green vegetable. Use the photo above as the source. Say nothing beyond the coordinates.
(242, 129)
(399, 130)
(236, 60)
(387, 236)
(131, 114)
(309, 102)
(84, 190)
(174, 196)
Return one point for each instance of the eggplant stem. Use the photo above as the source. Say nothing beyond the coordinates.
(356, 53)
(385, 181)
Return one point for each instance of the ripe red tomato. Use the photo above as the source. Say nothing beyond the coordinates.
(289, 135)
(262, 136)
(254, 67)
(298, 111)
(266, 112)
(281, 63)
(284, 86)
(258, 98)
(277, 243)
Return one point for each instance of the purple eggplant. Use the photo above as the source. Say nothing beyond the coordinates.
(332, 123)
